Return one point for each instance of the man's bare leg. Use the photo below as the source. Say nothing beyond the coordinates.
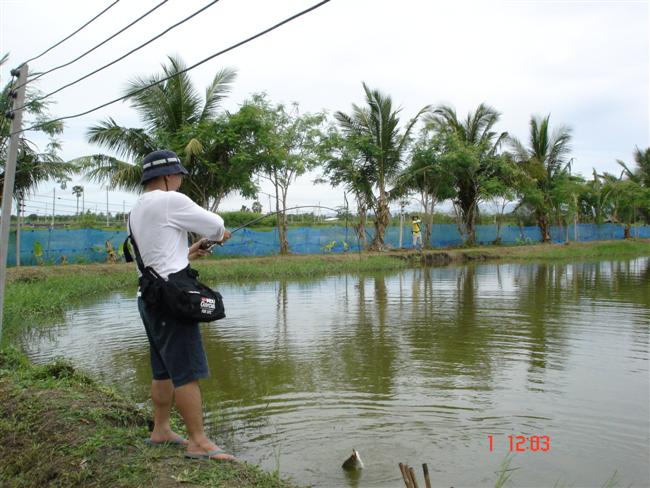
(188, 402)
(162, 395)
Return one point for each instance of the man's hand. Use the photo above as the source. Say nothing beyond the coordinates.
(196, 252)
(226, 236)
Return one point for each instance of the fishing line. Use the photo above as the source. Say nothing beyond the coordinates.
(275, 212)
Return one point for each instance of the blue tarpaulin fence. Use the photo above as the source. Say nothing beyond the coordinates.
(89, 245)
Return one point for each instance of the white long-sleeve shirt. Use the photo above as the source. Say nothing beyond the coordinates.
(160, 221)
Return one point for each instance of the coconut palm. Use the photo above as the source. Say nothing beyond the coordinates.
(33, 165)
(545, 162)
(343, 166)
(426, 176)
(373, 129)
(641, 174)
(175, 116)
(470, 158)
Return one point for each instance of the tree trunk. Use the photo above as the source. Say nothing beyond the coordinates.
(428, 202)
(381, 222)
(468, 215)
(361, 226)
(497, 239)
(284, 244)
(542, 223)
(215, 204)
(467, 202)
(627, 231)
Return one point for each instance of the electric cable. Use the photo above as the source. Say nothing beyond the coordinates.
(39, 75)
(49, 197)
(75, 32)
(205, 60)
(88, 75)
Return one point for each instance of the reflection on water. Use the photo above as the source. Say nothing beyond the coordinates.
(416, 366)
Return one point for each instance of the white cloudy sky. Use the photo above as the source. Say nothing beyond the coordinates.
(584, 62)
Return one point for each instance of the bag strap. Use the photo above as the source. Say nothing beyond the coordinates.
(138, 257)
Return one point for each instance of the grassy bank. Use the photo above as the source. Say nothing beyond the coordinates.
(59, 428)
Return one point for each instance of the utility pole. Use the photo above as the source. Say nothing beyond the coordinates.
(10, 178)
(19, 207)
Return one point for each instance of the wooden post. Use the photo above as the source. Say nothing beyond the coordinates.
(404, 470)
(414, 480)
(427, 480)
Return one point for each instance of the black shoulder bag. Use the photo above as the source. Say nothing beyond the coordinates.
(181, 294)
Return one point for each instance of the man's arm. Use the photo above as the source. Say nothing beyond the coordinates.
(184, 214)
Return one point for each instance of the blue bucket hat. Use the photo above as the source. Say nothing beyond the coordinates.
(161, 163)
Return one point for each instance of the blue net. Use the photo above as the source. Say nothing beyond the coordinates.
(91, 245)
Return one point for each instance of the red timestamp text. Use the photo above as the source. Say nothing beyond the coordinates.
(523, 443)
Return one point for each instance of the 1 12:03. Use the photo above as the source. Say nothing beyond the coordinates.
(522, 443)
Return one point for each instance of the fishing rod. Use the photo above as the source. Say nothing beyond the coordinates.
(209, 244)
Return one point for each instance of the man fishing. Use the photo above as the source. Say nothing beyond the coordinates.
(159, 223)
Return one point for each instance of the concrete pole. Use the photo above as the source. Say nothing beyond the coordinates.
(10, 178)
(53, 206)
(19, 208)
(106, 206)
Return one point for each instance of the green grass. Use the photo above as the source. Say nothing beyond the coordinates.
(572, 251)
(32, 301)
(60, 428)
(296, 267)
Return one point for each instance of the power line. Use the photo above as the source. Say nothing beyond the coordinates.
(49, 197)
(121, 57)
(36, 77)
(75, 32)
(234, 46)
(72, 203)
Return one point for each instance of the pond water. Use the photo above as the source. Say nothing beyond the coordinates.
(416, 366)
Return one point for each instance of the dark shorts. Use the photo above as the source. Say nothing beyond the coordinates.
(176, 348)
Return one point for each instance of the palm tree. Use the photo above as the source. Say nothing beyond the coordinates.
(33, 166)
(343, 166)
(641, 174)
(374, 131)
(426, 176)
(546, 165)
(78, 190)
(175, 116)
(633, 188)
(471, 158)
